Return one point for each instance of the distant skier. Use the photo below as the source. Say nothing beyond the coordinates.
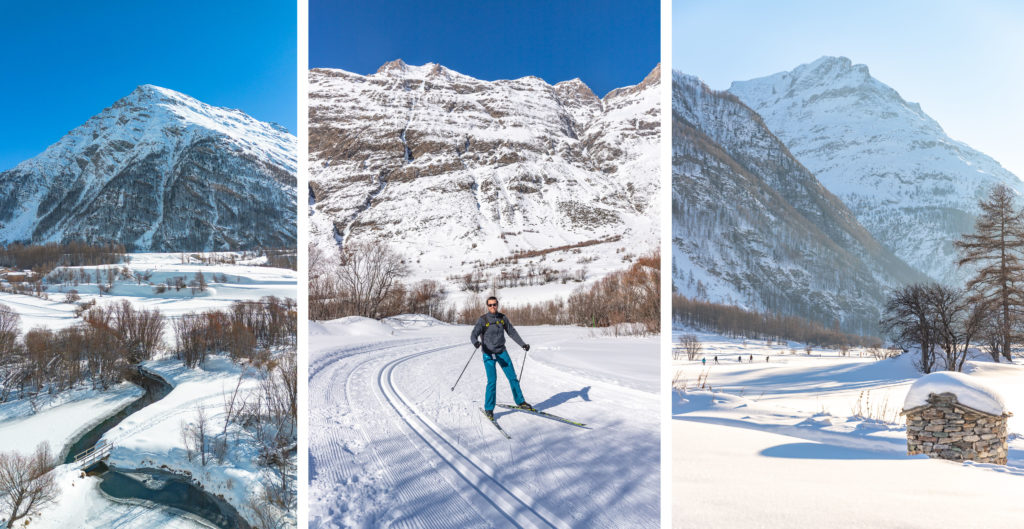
(739, 359)
(489, 333)
(716, 359)
(703, 361)
(751, 359)
(767, 358)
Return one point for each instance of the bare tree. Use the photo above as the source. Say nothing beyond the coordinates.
(368, 273)
(691, 345)
(956, 323)
(26, 482)
(996, 248)
(10, 326)
(194, 435)
(908, 317)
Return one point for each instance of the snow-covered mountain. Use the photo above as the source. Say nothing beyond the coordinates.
(912, 186)
(161, 171)
(753, 227)
(457, 173)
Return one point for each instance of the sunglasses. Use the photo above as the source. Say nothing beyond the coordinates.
(492, 304)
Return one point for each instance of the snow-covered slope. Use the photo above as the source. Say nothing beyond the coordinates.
(158, 170)
(457, 172)
(912, 186)
(753, 227)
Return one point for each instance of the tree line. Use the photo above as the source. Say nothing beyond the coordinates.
(942, 321)
(41, 258)
(370, 280)
(97, 351)
(112, 338)
(737, 322)
(245, 331)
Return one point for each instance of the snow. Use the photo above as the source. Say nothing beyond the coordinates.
(504, 165)
(726, 476)
(61, 418)
(391, 444)
(245, 282)
(157, 125)
(150, 437)
(82, 504)
(798, 440)
(351, 327)
(889, 162)
(970, 391)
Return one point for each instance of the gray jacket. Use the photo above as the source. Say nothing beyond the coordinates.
(490, 329)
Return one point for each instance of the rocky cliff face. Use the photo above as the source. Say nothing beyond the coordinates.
(753, 227)
(457, 172)
(912, 186)
(158, 171)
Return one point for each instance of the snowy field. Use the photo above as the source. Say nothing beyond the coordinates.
(391, 445)
(245, 282)
(150, 437)
(774, 442)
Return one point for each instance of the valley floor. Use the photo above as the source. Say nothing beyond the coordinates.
(150, 437)
(798, 440)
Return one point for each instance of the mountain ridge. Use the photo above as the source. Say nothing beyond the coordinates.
(508, 166)
(911, 185)
(157, 170)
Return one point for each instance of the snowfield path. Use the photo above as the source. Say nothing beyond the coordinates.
(392, 446)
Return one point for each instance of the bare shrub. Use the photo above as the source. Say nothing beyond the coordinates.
(27, 482)
(691, 346)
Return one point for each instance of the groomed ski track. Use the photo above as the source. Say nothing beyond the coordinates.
(392, 446)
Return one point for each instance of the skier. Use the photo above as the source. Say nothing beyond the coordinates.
(716, 359)
(751, 359)
(489, 333)
(703, 361)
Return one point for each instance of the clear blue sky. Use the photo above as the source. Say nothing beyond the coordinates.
(64, 61)
(607, 44)
(963, 61)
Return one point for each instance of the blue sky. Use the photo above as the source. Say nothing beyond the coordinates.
(64, 61)
(607, 44)
(964, 62)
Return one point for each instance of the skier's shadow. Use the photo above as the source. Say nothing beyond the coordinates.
(565, 396)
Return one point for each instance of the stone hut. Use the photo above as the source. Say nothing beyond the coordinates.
(954, 416)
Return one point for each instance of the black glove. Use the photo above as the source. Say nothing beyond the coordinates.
(526, 347)
(476, 345)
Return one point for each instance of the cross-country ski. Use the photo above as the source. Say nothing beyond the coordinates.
(544, 414)
(495, 423)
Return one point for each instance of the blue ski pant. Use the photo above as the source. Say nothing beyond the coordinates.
(505, 362)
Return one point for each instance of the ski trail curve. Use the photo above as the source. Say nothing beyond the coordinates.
(518, 507)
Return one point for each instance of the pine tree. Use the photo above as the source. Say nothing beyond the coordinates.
(996, 249)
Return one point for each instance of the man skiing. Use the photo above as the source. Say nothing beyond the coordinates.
(489, 333)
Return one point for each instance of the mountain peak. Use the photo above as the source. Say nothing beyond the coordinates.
(395, 65)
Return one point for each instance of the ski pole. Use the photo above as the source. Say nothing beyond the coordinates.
(464, 368)
(522, 367)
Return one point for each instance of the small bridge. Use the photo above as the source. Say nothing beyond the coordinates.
(97, 453)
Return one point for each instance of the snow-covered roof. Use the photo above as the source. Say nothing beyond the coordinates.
(970, 391)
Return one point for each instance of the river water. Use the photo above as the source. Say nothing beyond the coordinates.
(150, 484)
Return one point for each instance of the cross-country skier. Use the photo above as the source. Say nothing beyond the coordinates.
(489, 333)
(703, 361)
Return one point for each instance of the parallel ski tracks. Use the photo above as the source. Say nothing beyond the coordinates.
(517, 506)
(472, 478)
